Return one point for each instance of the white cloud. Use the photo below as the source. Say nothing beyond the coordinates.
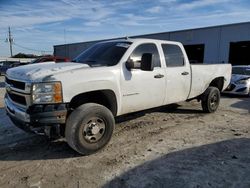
(130, 19)
(52, 11)
(200, 4)
(41, 24)
(168, 1)
(92, 24)
(154, 10)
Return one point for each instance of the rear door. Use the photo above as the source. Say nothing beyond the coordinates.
(178, 74)
(143, 89)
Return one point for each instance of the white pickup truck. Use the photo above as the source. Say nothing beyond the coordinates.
(80, 99)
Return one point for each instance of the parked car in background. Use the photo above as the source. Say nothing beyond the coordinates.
(50, 58)
(240, 81)
(5, 65)
(1, 64)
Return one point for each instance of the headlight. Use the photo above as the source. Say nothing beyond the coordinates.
(47, 92)
(243, 81)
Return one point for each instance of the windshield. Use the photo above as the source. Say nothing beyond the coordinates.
(241, 70)
(103, 54)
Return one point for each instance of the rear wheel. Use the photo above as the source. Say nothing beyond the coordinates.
(89, 128)
(210, 100)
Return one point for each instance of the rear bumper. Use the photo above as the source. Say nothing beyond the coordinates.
(36, 116)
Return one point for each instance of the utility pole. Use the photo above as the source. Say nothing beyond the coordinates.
(10, 40)
(64, 34)
(65, 48)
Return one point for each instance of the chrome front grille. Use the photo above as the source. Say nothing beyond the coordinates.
(19, 99)
(15, 84)
(18, 92)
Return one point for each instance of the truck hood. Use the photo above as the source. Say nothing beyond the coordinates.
(42, 70)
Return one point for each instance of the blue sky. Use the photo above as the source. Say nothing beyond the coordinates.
(41, 24)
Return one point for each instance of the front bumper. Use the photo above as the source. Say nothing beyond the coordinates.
(16, 112)
(36, 116)
(237, 89)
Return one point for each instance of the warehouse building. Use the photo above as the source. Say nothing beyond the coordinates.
(217, 44)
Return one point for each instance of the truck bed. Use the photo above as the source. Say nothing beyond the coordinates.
(204, 74)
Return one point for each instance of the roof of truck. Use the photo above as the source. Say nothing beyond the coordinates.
(139, 40)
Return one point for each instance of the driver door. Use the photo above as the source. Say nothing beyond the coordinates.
(143, 89)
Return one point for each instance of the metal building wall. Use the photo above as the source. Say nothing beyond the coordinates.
(216, 39)
(232, 33)
(71, 50)
(209, 37)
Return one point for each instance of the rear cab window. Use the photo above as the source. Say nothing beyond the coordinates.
(173, 55)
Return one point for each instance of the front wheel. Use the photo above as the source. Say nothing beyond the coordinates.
(89, 128)
(210, 100)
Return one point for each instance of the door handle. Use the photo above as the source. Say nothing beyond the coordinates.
(185, 73)
(159, 76)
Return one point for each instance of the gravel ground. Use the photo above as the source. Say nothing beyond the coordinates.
(173, 146)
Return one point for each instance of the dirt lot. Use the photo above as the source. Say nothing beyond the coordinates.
(173, 146)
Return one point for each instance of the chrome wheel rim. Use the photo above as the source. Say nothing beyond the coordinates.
(93, 129)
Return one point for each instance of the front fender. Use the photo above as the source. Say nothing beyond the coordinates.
(82, 81)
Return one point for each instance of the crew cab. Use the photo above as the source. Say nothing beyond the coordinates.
(80, 99)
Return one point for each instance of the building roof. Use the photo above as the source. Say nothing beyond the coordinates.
(185, 30)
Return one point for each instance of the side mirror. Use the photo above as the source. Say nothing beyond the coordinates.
(130, 64)
(147, 62)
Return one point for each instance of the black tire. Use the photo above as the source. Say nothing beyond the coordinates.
(89, 128)
(210, 100)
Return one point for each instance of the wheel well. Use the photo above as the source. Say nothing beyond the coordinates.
(218, 82)
(106, 98)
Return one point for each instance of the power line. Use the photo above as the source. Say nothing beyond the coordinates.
(10, 40)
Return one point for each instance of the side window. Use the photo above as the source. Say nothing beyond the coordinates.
(173, 55)
(146, 48)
